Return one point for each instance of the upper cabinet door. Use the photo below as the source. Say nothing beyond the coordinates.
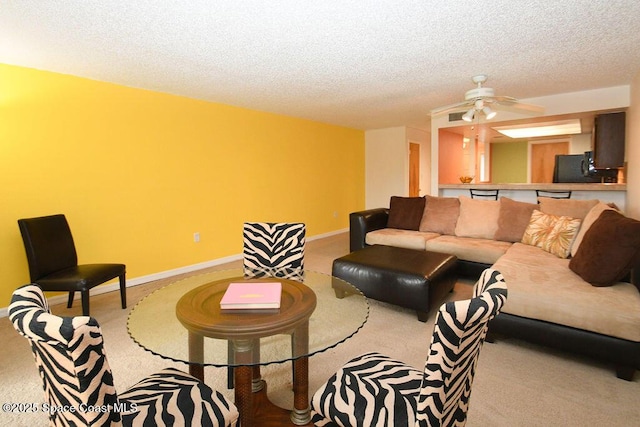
(608, 144)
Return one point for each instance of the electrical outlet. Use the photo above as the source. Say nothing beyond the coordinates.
(335, 214)
(196, 236)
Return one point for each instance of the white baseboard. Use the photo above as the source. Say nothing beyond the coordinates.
(115, 286)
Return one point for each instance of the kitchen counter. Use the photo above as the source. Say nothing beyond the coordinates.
(533, 187)
(608, 193)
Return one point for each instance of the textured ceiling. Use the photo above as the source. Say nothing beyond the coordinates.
(362, 64)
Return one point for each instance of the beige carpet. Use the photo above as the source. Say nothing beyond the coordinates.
(517, 384)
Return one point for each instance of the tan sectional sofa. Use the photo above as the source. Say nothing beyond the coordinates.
(569, 264)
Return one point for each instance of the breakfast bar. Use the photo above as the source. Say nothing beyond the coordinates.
(609, 193)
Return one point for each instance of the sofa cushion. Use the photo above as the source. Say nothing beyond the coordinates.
(468, 248)
(405, 213)
(609, 249)
(542, 287)
(566, 207)
(440, 215)
(593, 215)
(400, 238)
(513, 219)
(478, 218)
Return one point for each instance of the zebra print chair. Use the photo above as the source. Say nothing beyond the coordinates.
(373, 389)
(70, 355)
(275, 249)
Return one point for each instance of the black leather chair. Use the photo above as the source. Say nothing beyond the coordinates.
(53, 261)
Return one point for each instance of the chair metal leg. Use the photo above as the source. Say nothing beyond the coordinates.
(85, 302)
(123, 291)
(70, 300)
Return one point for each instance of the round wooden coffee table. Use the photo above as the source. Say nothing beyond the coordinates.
(245, 343)
(200, 313)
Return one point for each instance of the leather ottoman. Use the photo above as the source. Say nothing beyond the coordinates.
(409, 278)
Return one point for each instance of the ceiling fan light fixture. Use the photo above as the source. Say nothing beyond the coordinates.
(480, 96)
(468, 116)
(489, 113)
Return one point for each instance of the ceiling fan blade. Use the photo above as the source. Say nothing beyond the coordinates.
(459, 106)
(514, 104)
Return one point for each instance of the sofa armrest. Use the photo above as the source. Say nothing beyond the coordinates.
(361, 222)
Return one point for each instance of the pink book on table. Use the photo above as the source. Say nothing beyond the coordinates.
(256, 295)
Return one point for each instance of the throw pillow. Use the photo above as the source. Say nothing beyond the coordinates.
(440, 215)
(566, 207)
(559, 241)
(478, 218)
(609, 249)
(551, 233)
(405, 212)
(540, 227)
(588, 221)
(513, 219)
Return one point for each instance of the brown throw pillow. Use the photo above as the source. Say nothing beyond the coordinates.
(609, 249)
(478, 218)
(513, 219)
(440, 215)
(405, 212)
(591, 217)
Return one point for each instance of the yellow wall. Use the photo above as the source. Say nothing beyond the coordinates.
(138, 172)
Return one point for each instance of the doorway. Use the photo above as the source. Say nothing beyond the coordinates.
(543, 159)
(414, 169)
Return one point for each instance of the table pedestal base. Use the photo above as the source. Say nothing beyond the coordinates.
(253, 403)
(255, 407)
(266, 414)
(198, 311)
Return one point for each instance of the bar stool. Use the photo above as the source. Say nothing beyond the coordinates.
(555, 194)
(484, 194)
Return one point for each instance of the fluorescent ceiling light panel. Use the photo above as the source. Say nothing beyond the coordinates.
(561, 127)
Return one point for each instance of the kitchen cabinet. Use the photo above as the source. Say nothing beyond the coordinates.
(608, 140)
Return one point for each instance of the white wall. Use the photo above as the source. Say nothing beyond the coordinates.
(632, 151)
(387, 163)
(580, 143)
(589, 100)
(386, 166)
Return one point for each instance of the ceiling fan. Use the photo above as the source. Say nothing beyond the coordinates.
(482, 100)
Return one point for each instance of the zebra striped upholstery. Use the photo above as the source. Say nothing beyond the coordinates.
(273, 249)
(375, 390)
(70, 355)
